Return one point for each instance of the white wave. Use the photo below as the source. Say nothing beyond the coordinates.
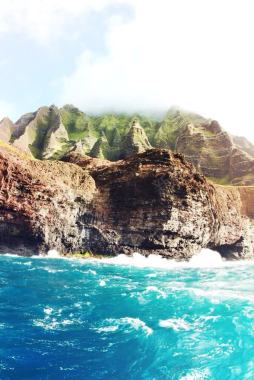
(175, 324)
(216, 295)
(48, 310)
(126, 323)
(102, 283)
(197, 375)
(52, 324)
(28, 263)
(137, 324)
(50, 270)
(10, 255)
(154, 289)
(107, 329)
(140, 261)
(92, 272)
(206, 258)
(53, 253)
(53, 319)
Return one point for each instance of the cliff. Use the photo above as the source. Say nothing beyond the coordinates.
(154, 202)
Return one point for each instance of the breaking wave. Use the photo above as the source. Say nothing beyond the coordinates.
(205, 259)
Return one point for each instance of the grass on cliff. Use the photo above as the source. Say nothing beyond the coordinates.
(15, 150)
(220, 181)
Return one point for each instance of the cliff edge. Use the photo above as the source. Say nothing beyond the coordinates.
(154, 202)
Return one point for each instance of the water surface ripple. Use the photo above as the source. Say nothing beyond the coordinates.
(74, 319)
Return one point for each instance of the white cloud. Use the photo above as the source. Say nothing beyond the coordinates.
(44, 20)
(197, 54)
(6, 109)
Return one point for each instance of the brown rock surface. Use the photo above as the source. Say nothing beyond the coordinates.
(154, 202)
(235, 220)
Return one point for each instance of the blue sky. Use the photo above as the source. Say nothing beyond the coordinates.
(31, 68)
(129, 55)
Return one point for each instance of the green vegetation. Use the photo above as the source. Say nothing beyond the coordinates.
(13, 149)
(173, 125)
(77, 123)
(50, 133)
(220, 181)
(102, 135)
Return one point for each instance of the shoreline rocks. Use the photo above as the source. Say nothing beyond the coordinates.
(153, 202)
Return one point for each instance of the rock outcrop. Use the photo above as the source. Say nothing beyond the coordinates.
(42, 134)
(6, 129)
(154, 202)
(235, 214)
(213, 152)
(135, 141)
(244, 144)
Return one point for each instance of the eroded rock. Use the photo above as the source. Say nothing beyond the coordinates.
(154, 202)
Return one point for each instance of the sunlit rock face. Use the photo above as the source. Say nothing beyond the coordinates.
(6, 129)
(154, 202)
(41, 134)
(213, 152)
(135, 141)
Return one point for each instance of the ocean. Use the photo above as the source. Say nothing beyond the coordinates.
(125, 319)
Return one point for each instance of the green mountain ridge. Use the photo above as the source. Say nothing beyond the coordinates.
(51, 133)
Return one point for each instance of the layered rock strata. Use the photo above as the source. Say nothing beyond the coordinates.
(154, 202)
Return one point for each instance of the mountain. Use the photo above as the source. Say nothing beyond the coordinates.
(41, 134)
(51, 133)
(244, 144)
(208, 146)
(135, 141)
(6, 129)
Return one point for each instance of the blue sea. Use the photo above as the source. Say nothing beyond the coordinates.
(125, 319)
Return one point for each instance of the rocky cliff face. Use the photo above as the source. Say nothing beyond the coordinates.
(154, 202)
(214, 153)
(235, 221)
(135, 141)
(6, 129)
(41, 134)
(244, 144)
(40, 203)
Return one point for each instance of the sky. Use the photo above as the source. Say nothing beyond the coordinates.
(130, 55)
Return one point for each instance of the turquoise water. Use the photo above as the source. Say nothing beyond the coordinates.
(71, 319)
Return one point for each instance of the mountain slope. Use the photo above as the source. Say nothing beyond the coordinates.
(41, 134)
(50, 133)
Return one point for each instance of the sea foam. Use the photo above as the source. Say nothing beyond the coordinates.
(53, 253)
(205, 258)
(128, 324)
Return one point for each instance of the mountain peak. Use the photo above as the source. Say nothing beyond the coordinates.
(51, 133)
(6, 129)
